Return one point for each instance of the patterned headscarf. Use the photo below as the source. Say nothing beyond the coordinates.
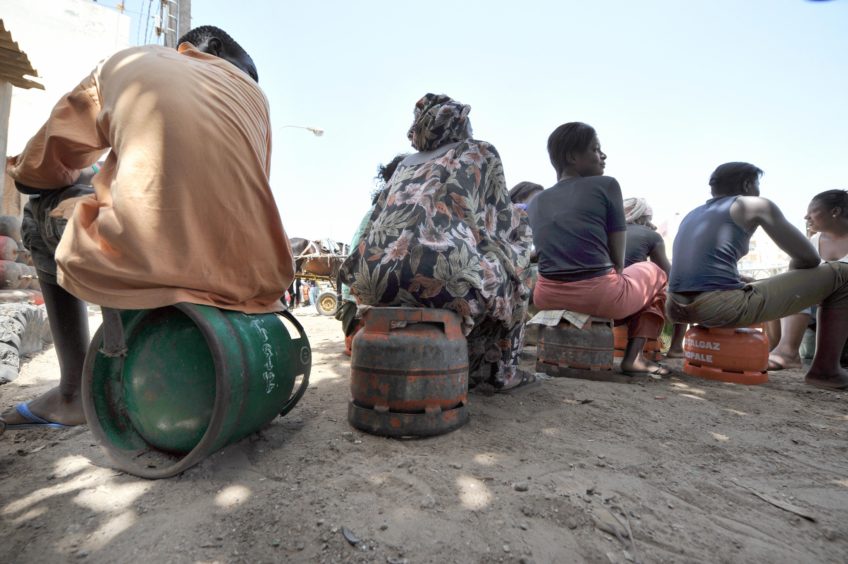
(634, 208)
(439, 120)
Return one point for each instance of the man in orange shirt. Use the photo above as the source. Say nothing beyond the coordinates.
(181, 211)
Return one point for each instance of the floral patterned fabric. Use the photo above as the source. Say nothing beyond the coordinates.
(444, 234)
(439, 120)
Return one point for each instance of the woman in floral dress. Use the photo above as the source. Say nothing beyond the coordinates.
(444, 234)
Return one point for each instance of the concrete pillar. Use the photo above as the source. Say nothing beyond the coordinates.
(10, 201)
(5, 110)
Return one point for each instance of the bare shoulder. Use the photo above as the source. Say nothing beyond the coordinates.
(753, 211)
(755, 206)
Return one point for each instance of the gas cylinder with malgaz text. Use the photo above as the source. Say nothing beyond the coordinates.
(737, 355)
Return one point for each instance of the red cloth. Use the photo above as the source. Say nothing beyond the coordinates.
(635, 297)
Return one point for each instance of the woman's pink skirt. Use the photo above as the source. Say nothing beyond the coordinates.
(635, 297)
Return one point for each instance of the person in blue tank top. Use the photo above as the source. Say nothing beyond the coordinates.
(705, 286)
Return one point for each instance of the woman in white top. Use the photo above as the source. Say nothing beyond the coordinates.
(827, 218)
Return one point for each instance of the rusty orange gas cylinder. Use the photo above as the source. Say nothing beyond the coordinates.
(409, 373)
(13, 274)
(8, 248)
(737, 355)
(565, 348)
(652, 346)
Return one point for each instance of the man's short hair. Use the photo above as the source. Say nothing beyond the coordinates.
(200, 34)
(729, 179)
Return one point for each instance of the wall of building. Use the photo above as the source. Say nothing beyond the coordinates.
(64, 40)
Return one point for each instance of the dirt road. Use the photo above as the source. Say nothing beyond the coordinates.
(678, 470)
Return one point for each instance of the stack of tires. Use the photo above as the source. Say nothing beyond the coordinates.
(24, 329)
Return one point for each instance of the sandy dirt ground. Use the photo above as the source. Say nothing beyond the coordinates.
(677, 470)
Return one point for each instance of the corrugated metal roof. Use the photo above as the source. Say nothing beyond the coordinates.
(14, 63)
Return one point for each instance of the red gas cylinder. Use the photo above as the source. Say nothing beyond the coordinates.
(409, 373)
(737, 355)
(10, 226)
(652, 346)
(8, 248)
(13, 274)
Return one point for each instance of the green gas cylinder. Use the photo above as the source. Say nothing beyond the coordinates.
(191, 380)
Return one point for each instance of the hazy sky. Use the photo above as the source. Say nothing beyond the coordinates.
(673, 88)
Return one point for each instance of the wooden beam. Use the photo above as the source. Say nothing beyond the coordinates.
(22, 82)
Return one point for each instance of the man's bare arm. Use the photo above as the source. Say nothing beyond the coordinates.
(751, 212)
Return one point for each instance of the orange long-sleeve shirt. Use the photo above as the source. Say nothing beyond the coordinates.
(183, 211)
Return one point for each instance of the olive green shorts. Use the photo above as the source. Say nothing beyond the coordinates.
(764, 300)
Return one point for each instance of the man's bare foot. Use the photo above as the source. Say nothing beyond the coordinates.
(779, 361)
(674, 353)
(838, 381)
(51, 406)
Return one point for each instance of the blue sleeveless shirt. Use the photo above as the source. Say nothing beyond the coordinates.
(706, 249)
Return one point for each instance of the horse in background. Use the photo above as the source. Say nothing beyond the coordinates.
(320, 257)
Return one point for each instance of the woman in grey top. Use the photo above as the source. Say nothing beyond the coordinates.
(579, 233)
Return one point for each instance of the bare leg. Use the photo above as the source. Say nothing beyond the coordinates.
(675, 350)
(68, 320)
(831, 334)
(785, 354)
(773, 332)
(635, 361)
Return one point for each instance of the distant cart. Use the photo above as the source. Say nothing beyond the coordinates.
(317, 265)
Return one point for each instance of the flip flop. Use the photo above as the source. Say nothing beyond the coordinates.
(774, 365)
(32, 420)
(657, 371)
(527, 382)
